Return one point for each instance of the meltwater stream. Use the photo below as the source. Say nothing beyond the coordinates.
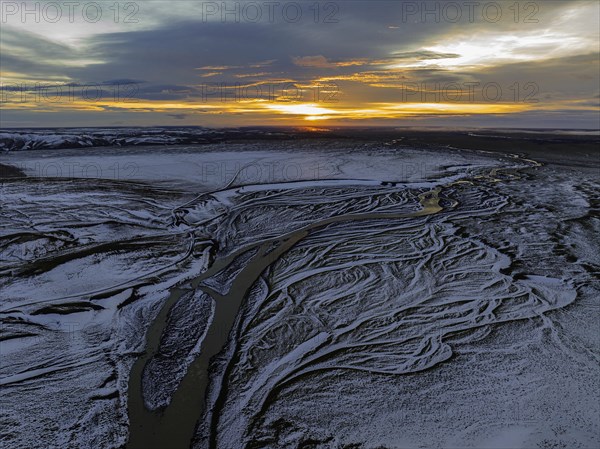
(174, 426)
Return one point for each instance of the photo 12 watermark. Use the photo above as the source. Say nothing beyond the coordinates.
(70, 169)
(41, 92)
(68, 12)
(264, 172)
(469, 12)
(269, 12)
(469, 92)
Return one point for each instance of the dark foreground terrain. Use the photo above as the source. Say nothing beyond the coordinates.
(278, 288)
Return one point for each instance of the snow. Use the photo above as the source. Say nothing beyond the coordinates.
(429, 293)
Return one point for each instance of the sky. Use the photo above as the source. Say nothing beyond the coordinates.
(306, 63)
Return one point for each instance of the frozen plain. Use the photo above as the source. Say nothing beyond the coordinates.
(358, 294)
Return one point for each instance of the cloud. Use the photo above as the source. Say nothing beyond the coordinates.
(313, 61)
(424, 55)
(176, 55)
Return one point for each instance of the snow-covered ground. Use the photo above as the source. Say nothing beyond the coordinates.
(388, 296)
(35, 139)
